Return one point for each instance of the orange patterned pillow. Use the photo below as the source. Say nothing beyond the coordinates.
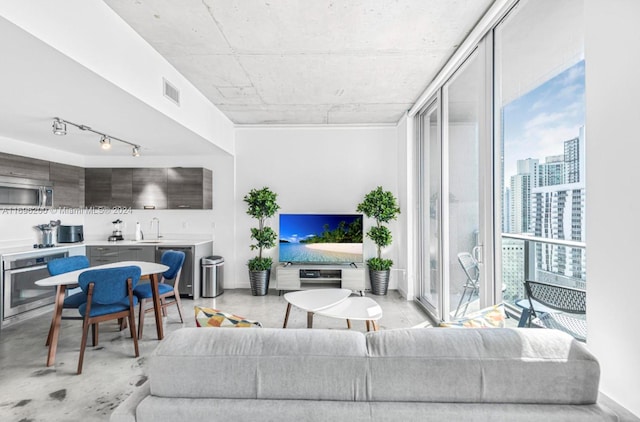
(209, 317)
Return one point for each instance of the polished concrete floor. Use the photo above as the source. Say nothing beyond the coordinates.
(32, 392)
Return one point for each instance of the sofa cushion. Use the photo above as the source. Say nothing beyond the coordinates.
(500, 365)
(264, 364)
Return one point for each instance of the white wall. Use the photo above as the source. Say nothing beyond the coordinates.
(612, 61)
(314, 170)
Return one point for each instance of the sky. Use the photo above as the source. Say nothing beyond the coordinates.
(536, 124)
(295, 227)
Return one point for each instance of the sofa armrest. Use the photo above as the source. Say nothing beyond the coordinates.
(126, 411)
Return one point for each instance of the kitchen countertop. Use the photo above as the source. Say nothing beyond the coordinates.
(28, 249)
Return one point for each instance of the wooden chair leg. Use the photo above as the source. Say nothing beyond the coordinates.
(141, 317)
(163, 303)
(94, 334)
(179, 305)
(348, 324)
(83, 344)
(132, 329)
(368, 328)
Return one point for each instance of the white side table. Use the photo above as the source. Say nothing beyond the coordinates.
(313, 301)
(355, 308)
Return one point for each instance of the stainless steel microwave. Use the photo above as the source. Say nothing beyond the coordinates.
(19, 192)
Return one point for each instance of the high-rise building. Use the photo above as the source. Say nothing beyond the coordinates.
(520, 188)
(551, 172)
(558, 212)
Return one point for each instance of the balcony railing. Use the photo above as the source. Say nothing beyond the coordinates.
(526, 257)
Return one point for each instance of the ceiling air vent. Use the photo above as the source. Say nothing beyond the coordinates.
(170, 91)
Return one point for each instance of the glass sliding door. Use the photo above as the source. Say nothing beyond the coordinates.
(430, 169)
(540, 118)
(463, 111)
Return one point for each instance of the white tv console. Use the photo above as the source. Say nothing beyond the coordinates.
(302, 277)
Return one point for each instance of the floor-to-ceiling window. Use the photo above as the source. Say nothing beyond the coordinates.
(501, 147)
(540, 86)
(451, 132)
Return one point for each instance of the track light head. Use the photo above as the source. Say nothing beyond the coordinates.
(59, 127)
(105, 142)
(136, 151)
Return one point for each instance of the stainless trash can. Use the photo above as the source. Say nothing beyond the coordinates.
(212, 276)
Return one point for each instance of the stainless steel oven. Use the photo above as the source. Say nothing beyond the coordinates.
(20, 294)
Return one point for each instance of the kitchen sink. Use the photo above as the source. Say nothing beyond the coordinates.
(150, 241)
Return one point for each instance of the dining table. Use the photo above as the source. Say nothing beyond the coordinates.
(150, 270)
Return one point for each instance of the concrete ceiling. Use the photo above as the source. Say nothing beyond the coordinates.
(306, 61)
(260, 62)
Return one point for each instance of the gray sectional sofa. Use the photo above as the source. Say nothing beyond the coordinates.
(231, 374)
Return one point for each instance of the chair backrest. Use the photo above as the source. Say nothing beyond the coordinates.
(561, 298)
(110, 284)
(174, 260)
(470, 266)
(67, 264)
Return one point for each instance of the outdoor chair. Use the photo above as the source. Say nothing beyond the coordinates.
(174, 260)
(561, 303)
(471, 285)
(109, 296)
(73, 301)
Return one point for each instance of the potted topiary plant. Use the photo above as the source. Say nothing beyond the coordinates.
(261, 205)
(383, 207)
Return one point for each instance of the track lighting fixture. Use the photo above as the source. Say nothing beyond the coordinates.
(60, 128)
(105, 142)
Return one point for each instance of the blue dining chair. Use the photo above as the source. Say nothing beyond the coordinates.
(109, 296)
(73, 301)
(174, 260)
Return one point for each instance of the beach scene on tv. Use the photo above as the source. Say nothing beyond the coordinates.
(320, 238)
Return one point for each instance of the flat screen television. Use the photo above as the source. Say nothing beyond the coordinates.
(321, 238)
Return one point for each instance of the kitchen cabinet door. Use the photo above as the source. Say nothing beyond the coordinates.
(137, 253)
(29, 168)
(122, 187)
(99, 255)
(68, 185)
(97, 187)
(150, 188)
(189, 188)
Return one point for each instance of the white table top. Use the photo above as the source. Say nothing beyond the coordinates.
(354, 308)
(317, 299)
(146, 268)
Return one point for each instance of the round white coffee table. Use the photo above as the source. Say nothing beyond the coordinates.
(355, 308)
(334, 303)
(313, 301)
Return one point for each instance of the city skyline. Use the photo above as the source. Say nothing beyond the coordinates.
(536, 124)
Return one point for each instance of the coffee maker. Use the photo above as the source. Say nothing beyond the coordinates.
(117, 231)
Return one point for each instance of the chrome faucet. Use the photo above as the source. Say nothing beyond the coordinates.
(157, 226)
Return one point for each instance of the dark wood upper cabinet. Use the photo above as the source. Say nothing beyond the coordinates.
(18, 166)
(68, 182)
(108, 187)
(97, 187)
(190, 188)
(122, 187)
(150, 188)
